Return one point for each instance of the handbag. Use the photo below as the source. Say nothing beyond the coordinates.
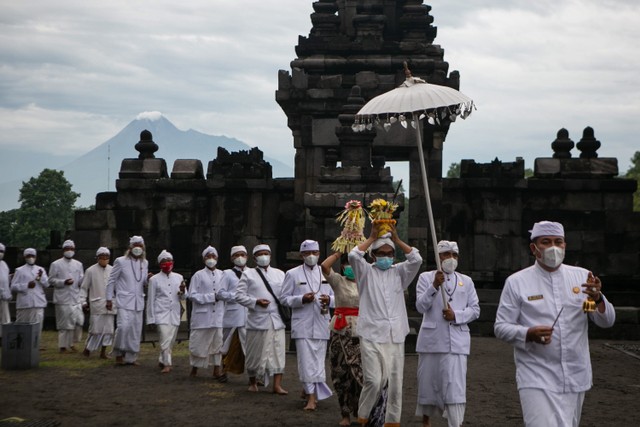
(284, 312)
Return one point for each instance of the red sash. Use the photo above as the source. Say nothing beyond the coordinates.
(341, 314)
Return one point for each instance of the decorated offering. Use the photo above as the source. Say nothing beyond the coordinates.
(352, 221)
(381, 212)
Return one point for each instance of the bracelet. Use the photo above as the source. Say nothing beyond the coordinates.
(599, 299)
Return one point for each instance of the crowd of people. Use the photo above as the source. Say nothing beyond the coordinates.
(351, 306)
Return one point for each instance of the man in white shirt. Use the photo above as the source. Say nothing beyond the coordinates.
(29, 282)
(5, 291)
(444, 341)
(166, 290)
(541, 314)
(265, 328)
(65, 275)
(235, 315)
(305, 290)
(126, 283)
(93, 294)
(383, 323)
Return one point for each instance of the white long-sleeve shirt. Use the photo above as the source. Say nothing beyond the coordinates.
(163, 299)
(306, 319)
(251, 288)
(5, 290)
(207, 292)
(59, 271)
(235, 315)
(30, 297)
(383, 311)
(126, 282)
(438, 335)
(94, 288)
(534, 297)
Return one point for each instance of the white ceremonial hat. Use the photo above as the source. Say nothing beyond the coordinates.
(103, 251)
(136, 239)
(236, 249)
(68, 244)
(447, 246)
(209, 250)
(261, 247)
(546, 228)
(164, 255)
(381, 242)
(2, 248)
(29, 251)
(309, 245)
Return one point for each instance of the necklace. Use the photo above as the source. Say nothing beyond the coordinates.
(455, 283)
(133, 270)
(304, 270)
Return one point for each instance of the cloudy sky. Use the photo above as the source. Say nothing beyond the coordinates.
(74, 72)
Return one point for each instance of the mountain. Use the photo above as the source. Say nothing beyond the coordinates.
(97, 170)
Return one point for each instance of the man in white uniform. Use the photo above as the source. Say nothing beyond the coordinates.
(553, 366)
(5, 291)
(166, 290)
(207, 292)
(93, 294)
(265, 328)
(305, 290)
(29, 281)
(383, 323)
(126, 283)
(235, 315)
(66, 275)
(444, 341)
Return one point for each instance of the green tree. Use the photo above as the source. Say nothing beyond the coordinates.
(454, 170)
(46, 204)
(7, 226)
(634, 173)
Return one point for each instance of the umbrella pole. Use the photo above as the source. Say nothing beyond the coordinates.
(425, 184)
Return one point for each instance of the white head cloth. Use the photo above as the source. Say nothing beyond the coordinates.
(136, 239)
(309, 245)
(447, 246)
(546, 228)
(68, 244)
(29, 251)
(209, 250)
(164, 255)
(262, 247)
(2, 248)
(381, 242)
(103, 251)
(236, 249)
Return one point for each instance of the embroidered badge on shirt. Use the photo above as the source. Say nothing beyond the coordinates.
(535, 297)
(460, 284)
(575, 289)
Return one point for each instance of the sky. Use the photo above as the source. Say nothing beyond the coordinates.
(75, 72)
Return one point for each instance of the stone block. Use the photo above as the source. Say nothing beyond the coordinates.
(299, 79)
(179, 201)
(86, 238)
(330, 82)
(323, 132)
(546, 167)
(320, 93)
(143, 168)
(94, 220)
(367, 79)
(284, 80)
(106, 200)
(187, 169)
(617, 202)
(484, 252)
(181, 218)
(135, 200)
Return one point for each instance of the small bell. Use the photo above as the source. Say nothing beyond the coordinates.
(589, 305)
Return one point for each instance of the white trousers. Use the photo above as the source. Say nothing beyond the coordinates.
(204, 347)
(265, 352)
(311, 354)
(30, 315)
(126, 342)
(544, 408)
(100, 331)
(167, 337)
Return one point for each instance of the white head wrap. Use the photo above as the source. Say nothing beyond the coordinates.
(262, 247)
(29, 251)
(546, 228)
(309, 245)
(164, 255)
(447, 246)
(236, 249)
(2, 248)
(68, 244)
(136, 239)
(102, 251)
(209, 250)
(381, 242)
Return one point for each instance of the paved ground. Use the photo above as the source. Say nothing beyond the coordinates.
(75, 391)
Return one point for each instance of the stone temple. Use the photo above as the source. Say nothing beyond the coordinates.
(355, 51)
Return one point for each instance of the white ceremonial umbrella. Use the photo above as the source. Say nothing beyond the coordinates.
(412, 101)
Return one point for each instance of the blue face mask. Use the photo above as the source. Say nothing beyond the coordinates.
(383, 263)
(348, 272)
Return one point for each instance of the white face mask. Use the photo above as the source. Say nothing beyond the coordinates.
(68, 254)
(311, 260)
(30, 261)
(449, 265)
(552, 257)
(263, 260)
(241, 261)
(137, 251)
(210, 262)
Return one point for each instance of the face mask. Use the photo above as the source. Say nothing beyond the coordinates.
(30, 261)
(311, 260)
(449, 265)
(68, 254)
(552, 257)
(137, 251)
(383, 263)
(166, 267)
(241, 261)
(263, 260)
(210, 262)
(348, 272)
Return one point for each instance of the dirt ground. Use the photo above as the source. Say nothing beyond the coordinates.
(75, 391)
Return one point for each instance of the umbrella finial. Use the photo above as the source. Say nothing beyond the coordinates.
(407, 71)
